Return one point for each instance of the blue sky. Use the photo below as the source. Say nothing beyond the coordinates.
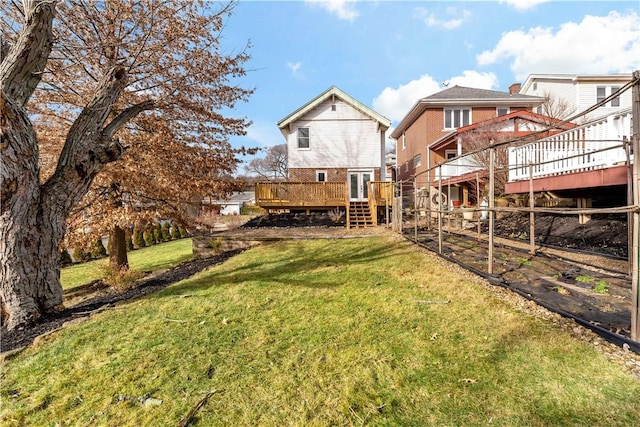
(388, 54)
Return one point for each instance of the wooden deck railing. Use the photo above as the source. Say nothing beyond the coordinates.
(301, 194)
(380, 194)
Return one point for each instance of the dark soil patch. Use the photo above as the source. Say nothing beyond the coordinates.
(21, 337)
(605, 234)
(294, 220)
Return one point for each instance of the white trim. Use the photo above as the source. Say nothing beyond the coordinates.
(502, 108)
(449, 151)
(461, 112)
(308, 138)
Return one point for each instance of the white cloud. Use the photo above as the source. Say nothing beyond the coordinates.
(598, 44)
(343, 9)
(296, 70)
(431, 20)
(263, 134)
(523, 4)
(475, 79)
(395, 103)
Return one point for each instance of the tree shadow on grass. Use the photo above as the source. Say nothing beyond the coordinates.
(292, 270)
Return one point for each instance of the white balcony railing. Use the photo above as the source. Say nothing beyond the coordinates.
(595, 145)
(458, 167)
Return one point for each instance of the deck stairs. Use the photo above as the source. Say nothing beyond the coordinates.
(360, 215)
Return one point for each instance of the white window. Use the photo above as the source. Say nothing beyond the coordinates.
(404, 141)
(502, 111)
(450, 154)
(604, 91)
(321, 176)
(417, 161)
(457, 117)
(601, 93)
(303, 137)
(615, 102)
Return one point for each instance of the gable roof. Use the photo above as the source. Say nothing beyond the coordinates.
(333, 91)
(465, 96)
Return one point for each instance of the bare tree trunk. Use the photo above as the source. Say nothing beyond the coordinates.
(31, 225)
(29, 259)
(118, 248)
(33, 215)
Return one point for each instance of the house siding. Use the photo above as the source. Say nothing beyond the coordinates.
(587, 96)
(560, 89)
(427, 128)
(344, 138)
(580, 91)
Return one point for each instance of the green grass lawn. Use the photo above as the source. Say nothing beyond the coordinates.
(316, 333)
(156, 257)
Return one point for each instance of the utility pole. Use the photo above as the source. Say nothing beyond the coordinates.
(635, 224)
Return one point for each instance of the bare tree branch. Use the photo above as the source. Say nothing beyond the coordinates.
(21, 70)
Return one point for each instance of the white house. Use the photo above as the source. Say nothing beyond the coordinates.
(581, 91)
(231, 205)
(335, 138)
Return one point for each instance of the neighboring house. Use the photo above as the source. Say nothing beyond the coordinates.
(580, 92)
(464, 176)
(335, 138)
(231, 205)
(390, 164)
(587, 163)
(441, 114)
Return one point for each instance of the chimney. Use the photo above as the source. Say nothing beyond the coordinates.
(515, 88)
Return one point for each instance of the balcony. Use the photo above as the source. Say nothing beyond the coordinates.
(593, 146)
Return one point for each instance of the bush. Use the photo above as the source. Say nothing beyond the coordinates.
(157, 233)
(120, 279)
(166, 232)
(80, 255)
(149, 238)
(64, 258)
(183, 232)
(128, 237)
(251, 210)
(215, 245)
(138, 237)
(98, 250)
(175, 231)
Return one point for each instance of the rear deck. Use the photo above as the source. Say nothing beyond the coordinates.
(326, 196)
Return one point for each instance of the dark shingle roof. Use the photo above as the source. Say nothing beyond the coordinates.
(467, 93)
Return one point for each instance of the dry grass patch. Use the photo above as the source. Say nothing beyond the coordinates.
(325, 332)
